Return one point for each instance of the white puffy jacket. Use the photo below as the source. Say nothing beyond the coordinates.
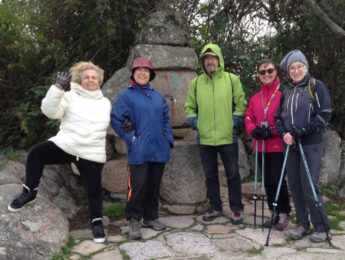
(84, 117)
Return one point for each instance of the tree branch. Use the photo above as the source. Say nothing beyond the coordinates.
(332, 25)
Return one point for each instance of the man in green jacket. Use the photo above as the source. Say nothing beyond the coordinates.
(215, 107)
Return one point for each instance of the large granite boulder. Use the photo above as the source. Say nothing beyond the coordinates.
(118, 82)
(330, 172)
(183, 178)
(36, 232)
(174, 85)
(164, 28)
(115, 176)
(165, 57)
(55, 184)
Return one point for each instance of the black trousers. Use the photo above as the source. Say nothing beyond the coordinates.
(229, 156)
(143, 190)
(91, 172)
(300, 186)
(273, 167)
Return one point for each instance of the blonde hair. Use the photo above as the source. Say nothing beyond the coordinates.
(77, 70)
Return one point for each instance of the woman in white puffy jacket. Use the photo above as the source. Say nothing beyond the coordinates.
(77, 101)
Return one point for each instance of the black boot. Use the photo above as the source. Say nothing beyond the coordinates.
(22, 200)
(97, 230)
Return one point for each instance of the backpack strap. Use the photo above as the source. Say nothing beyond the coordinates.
(311, 85)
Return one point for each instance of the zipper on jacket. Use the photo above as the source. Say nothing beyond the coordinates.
(288, 102)
(310, 111)
(291, 106)
(296, 103)
(214, 115)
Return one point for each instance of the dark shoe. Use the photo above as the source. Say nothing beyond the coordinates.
(299, 231)
(211, 214)
(284, 221)
(134, 229)
(267, 224)
(97, 230)
(22, 200)
(155, 224)
(318, 237)
(237, 217)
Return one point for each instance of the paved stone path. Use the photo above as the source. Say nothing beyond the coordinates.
(189, 237)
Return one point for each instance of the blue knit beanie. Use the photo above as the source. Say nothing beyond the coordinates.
(291, 57)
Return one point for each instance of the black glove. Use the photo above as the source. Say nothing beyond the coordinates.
(127, 125)
(266, 132)
(256, 133)
(297, 132)
(63, 80)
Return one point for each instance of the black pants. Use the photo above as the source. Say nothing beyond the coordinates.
(91, 172)
(143, 190)
(273, 167)
(229, 156)
(300, 186)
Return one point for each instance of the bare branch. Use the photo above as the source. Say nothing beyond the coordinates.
(332, 25)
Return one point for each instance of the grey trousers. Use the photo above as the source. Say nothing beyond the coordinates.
(299, 183)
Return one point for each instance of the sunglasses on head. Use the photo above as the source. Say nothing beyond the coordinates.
(269, 71)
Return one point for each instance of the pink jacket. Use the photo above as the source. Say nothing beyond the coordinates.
(255, 115)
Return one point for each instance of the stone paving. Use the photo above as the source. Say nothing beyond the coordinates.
(189, 237)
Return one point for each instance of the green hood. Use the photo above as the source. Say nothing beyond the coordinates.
(214, 48)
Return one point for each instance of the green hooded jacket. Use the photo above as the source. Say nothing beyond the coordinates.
(215, 102)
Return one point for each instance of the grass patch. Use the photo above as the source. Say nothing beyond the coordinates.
(65, 251)
(2, 164)
(256, 251)
(249, 178)
(326, 191)
(334, 223)
(124, 255)
(331, 207)
(114, 210)
(66, 210)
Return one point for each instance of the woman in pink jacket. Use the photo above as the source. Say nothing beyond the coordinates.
(260, 125)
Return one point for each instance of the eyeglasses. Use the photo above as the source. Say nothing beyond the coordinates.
(269, 71)
(298, 67)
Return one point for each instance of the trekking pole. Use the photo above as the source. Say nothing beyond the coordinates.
(255, 197)
(317, 203)
(275, 203)
(263, 182)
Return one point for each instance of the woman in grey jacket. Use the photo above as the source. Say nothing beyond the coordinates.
(84, 114)
(305, 108)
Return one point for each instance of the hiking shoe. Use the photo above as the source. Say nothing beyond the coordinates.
(237, 217)
(155, 224)
(23, 199)
(318, 237)
(267, 224)
(97, 230)
(299, 231)
(134, 229)
(211, 214)
(284, 221)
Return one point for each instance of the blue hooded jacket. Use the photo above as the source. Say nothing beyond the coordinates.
(147, 109)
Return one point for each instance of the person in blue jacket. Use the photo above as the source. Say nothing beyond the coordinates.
(140, 116)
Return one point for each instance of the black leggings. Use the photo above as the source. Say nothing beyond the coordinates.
(91, 172)
(273, 167)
